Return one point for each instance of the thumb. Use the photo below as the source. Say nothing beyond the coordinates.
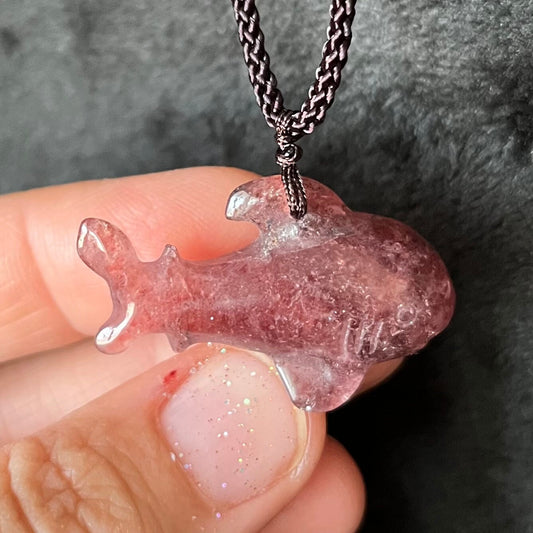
(206, 440)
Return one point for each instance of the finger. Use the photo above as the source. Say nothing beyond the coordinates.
(332, 500)
(39, 390)
(48, 298)
(207, 440)
(379, 373)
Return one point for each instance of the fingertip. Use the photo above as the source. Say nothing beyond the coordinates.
(333, 499)
(379, 373)
(207, 439)
(185, 207)
(45, 289)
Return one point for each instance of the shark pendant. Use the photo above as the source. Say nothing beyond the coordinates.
(325, 297)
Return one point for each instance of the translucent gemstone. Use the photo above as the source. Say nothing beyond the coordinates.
(325, 297)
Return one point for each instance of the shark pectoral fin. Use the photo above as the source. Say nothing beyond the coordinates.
(178, 341)
(316, 384)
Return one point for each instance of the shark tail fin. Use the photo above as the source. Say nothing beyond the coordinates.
(104, 248)
(108, 252)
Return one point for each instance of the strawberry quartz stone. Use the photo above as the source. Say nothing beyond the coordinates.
(325, 297)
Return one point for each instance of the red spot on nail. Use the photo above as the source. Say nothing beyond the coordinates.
(172, 381)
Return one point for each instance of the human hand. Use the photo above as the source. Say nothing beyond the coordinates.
(103, 453)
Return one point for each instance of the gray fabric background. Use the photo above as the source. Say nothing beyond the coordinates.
(433, 126)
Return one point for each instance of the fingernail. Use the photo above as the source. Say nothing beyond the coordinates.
(233, 428)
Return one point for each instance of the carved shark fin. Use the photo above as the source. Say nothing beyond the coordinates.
(314, 383)
(178, 342)
(102, 246)
(106, 250)
(257, 202)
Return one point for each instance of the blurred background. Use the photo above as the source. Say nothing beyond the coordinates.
(433, 125)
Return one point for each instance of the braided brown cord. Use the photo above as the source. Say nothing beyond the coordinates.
(328, 75)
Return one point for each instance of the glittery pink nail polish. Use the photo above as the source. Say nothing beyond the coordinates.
(233, 427)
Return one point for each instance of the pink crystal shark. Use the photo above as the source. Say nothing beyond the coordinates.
(325, 297)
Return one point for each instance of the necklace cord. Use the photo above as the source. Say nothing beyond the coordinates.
(292, 125)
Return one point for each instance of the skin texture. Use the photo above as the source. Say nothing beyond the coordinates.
(432, 126)
(82, 446)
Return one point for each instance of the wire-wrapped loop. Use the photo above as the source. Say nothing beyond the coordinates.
(294, 191)
(287, 155)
